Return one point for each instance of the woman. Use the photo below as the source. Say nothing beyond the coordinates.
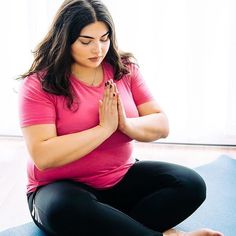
(82, 103)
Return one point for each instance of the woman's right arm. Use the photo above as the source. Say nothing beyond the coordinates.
(49, 150)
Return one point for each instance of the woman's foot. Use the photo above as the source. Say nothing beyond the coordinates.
(200, 232)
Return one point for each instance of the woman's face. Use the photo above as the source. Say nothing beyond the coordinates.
(92, 45)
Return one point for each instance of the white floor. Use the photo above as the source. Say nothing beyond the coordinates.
(13, 205)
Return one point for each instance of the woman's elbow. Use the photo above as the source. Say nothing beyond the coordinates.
(165, 132)
(161, 132)
(39, 164)
(165, 127)
(38, 160)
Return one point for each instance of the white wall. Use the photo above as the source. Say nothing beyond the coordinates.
(23, 23)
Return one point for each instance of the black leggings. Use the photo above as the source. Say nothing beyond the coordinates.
(151, 198)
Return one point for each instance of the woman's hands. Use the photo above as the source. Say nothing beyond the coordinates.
(111, 110)
(108, 112)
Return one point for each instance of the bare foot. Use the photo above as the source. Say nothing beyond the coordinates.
(200, 232)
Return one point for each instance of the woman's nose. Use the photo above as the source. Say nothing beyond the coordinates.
(97, 47)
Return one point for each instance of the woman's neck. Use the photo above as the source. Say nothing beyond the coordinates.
(90, 76)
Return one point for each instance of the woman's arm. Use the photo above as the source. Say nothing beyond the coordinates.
(49, 150)
(151, 125)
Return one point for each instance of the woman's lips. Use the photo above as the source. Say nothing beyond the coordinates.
(95, 59)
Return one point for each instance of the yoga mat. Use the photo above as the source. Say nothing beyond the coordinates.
(219, 210)
(28, 229)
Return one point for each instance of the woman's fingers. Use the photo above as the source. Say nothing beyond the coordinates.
(106, 94)
(108, 112)
(110, 94)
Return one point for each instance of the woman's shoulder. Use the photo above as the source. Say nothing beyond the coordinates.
(31, 89)
(34, 79)
(130, 62)
(133, 68)
(32, 84)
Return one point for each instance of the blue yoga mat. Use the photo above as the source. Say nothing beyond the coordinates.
(28, 229)
(219, 210)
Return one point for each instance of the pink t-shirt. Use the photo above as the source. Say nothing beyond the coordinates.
(106, 165)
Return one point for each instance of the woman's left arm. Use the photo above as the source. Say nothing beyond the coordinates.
(152, 123)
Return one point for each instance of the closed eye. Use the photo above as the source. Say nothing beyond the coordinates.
(105, 39)
(85, 43)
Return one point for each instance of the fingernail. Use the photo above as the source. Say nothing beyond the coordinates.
(110, 86)
(114, 95)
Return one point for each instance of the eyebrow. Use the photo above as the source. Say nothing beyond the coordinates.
(89, 37)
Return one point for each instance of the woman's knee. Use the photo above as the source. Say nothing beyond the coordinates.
(194, 186)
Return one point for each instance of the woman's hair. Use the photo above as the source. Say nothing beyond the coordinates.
(53, 54)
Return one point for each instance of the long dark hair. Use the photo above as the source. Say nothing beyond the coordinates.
(53, 54)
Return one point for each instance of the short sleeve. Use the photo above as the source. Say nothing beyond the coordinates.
(35, 105)
(140, 90)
